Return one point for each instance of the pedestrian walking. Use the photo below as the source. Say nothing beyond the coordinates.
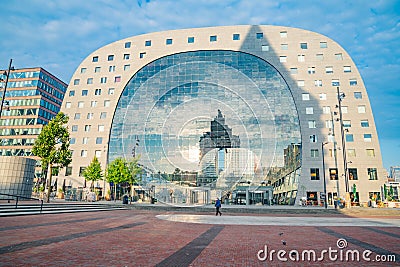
(217, 207)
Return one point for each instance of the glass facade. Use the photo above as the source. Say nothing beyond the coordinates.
(213, 114)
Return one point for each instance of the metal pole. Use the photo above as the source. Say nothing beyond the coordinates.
(323, 171)
(5, 88)
(343, 141)
(335, 155)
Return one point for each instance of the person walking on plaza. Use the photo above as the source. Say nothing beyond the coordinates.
(217, 207)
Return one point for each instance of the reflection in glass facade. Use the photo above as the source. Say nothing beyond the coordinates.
(170, 103)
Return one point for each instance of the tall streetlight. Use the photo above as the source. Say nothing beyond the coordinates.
(323, 171)
(7, 74)
(340, 97)
(334, 155)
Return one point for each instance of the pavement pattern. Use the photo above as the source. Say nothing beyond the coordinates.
(169, 238)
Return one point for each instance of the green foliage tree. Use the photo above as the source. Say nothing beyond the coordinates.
(52, 146)
(134, 170)
(93, 172)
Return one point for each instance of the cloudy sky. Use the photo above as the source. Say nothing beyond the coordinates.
(57, 35)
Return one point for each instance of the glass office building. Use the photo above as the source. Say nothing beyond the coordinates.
(223, 107)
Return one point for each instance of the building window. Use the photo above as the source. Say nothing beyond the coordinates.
(76, 82)
(93, 104)
(147, 43)
(83, 153)
(361, 109)
(309, 110)
(372, 174)
(127, 67)
(80, 104)
(142, 55)
(111, 91)
(314, 173)
(126, 56)
(97, 69)
(236, 37)
(314, 153)
(318, 83)
(103, 115)
(312, 124)
(127, 44)
(353, 174)
(168, 41)
(97, 92)
(74, 128)
(351, 152)
(326, 110)
(283, 34)
(311, 70)
(293, 71)
(84, 92)
(300, 83)
(111, 68)
(328, 69)
(349, 138)
(367, 137)
(77, 116)
(97, 153)
(320, 57)
(106, 103)
(259, 35)
(110, 57)
(357, 95)
(89, 81)
(85, 140)
(72, 93)
(323, 45)
(313, 138)
(353, 82)
(284, 46)
(89, 116)
(346, 124)
(322, 96)
(303, 45)
(81, 170)
(301, 58)
(339, 56)
(333, 173)
(370, 152)
(346, 69)
(117, 79)
(103, 79)
(87, 128)
(282, 59)
(328, 124)
(72, 141)
(364, 123)
(99, 140)
(190, 40)
(100, 128)
(213, 38)
(305, 96)
(265, 48)
(95, 59)
(335, 82)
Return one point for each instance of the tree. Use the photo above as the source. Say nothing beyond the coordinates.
(93, 172)
(117, 171)
(52, 146)
(134, 170)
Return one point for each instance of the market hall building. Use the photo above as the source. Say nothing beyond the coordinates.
(228, 110)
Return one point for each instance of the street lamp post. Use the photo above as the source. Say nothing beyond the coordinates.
(7, 74)
(323, 171)
(346, 181)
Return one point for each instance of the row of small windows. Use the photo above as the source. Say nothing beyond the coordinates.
(20, 131)
(117, 79)
(328, 69)
(93, 104)
(312, 124)
(371, 173)
(334, 82)
(349, 137)
(85, 140)
(314, 153)
(302, 58)
(110, 68)
(90, 115)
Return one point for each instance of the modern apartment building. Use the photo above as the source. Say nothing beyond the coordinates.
(294, 98)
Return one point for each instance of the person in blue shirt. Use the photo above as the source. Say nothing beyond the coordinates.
(217, 207)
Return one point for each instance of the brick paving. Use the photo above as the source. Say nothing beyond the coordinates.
(139, 238)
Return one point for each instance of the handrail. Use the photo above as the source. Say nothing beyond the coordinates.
(17, 198)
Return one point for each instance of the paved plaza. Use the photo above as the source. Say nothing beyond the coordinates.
(134, 237)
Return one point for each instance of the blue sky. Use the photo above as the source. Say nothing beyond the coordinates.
(57, 35)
